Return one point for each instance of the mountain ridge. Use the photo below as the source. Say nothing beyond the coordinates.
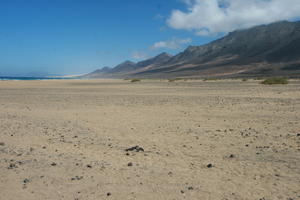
(264, 50)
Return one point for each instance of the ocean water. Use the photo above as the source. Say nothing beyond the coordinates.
(31, 78)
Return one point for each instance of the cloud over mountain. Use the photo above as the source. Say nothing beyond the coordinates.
(138, 55)
(174, 43)
(208, 17)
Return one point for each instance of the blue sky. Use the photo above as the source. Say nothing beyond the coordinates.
(58, 37)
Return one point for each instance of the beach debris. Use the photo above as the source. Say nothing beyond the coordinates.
(135, 148)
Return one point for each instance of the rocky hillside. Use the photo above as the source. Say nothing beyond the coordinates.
(266, 50)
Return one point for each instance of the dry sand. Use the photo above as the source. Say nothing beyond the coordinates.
(66, 139)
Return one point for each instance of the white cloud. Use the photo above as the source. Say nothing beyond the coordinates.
(188, 2)
(207, 17)
(139, 55)
(174, 43)
(159, 17)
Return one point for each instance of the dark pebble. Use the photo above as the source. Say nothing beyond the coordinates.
(135, 148)
(108, 194)
(209, 166)
(12, 165)
(130, 164)
(2, 143)
(53, 164)
(26, 180)
(89, 166)
(231, 156)
(190, 188)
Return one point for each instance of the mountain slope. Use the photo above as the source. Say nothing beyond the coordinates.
(264, 50)
(128, 68)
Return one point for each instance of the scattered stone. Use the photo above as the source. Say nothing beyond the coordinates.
(231, 156)
(89, 166)
(108, 194)
(209, 166)
(190, 188)
(182, 192)
(53, 164)
(26, 180)
(2, 143)
(298, 134)
(135, 148)
(12, 166)
(77, 178)
(130, 164)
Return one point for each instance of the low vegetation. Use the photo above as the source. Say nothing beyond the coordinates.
(210, 79)
(177, 79)
(275, 80)
(135, 80)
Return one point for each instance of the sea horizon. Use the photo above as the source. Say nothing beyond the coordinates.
(3, 78)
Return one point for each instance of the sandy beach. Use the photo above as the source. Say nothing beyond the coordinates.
(208, 140)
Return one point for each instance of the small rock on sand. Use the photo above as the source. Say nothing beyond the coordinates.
(135, 148)
(209, 166)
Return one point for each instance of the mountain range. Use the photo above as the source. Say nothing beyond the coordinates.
(265, 50)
